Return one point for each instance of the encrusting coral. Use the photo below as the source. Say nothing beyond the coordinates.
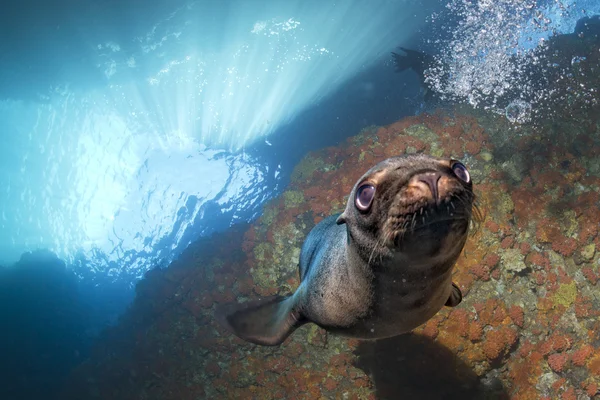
(527, 328)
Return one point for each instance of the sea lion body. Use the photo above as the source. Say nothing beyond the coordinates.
(350, 299)
(383, 266)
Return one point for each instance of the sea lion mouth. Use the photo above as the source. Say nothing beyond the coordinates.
(426, 218)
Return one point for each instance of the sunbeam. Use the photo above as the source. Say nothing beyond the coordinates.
(119, 168)
(260, 67)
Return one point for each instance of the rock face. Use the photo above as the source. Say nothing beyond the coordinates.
(527, 328)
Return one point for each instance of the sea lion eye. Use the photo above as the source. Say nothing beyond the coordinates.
(461, 172)
(364, 196)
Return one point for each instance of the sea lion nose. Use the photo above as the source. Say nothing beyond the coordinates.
(431, 179)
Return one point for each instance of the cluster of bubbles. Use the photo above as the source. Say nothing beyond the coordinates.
(502, 56)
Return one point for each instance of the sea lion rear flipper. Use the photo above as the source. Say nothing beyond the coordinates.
(268, 321)
(455, 296)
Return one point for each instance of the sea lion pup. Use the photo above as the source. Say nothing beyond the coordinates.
(383, 266)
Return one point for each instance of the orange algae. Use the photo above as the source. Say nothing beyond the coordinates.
(557, 361)
(579, 357)
(517, 315)
(489, 329)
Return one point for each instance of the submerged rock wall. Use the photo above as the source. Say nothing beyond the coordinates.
(528, 326)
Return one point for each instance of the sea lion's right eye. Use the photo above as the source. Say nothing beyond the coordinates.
(461, 172)
(364, 196)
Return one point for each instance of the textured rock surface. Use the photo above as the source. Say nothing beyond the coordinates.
(528, 327)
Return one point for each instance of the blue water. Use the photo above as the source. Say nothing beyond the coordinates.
(110, 167)
(129, 130)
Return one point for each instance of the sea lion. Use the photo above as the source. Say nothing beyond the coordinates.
(380, 268)
(420, 63)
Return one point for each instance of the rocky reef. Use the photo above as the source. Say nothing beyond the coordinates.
(44, 326)
(528, 327)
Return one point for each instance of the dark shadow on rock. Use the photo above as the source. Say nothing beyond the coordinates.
(43, 324)
(416, 367)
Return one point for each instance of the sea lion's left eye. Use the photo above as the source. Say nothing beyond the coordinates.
(364, 196)
(461, 172)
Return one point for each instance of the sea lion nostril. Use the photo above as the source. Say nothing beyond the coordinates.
(431, 179)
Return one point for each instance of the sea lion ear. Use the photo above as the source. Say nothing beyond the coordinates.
(455, 296)
(341, 219)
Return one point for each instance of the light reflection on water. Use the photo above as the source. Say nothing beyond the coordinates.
(118, 171)
(95, 181)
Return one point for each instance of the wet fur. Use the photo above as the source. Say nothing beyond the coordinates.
(383, 272)
(393, 289)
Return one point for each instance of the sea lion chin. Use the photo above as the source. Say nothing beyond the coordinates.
(380, 268)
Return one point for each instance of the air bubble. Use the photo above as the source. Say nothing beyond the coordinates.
(518, 111)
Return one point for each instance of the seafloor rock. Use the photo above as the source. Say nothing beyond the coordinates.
(528, 327)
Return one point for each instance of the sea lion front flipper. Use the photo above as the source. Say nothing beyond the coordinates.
(268, 321)
(455, 296)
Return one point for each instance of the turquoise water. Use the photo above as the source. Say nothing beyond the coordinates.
(103, 168)
(129, 131)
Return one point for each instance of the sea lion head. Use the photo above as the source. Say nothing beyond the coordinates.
(416, 208)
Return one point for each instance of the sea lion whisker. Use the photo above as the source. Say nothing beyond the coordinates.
(372, 252)
(454, 218)
(404, 229)
(472, 208)
(399, 234)
(464, 202)
(377, 245)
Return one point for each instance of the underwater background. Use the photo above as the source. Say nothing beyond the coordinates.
(161, 158)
